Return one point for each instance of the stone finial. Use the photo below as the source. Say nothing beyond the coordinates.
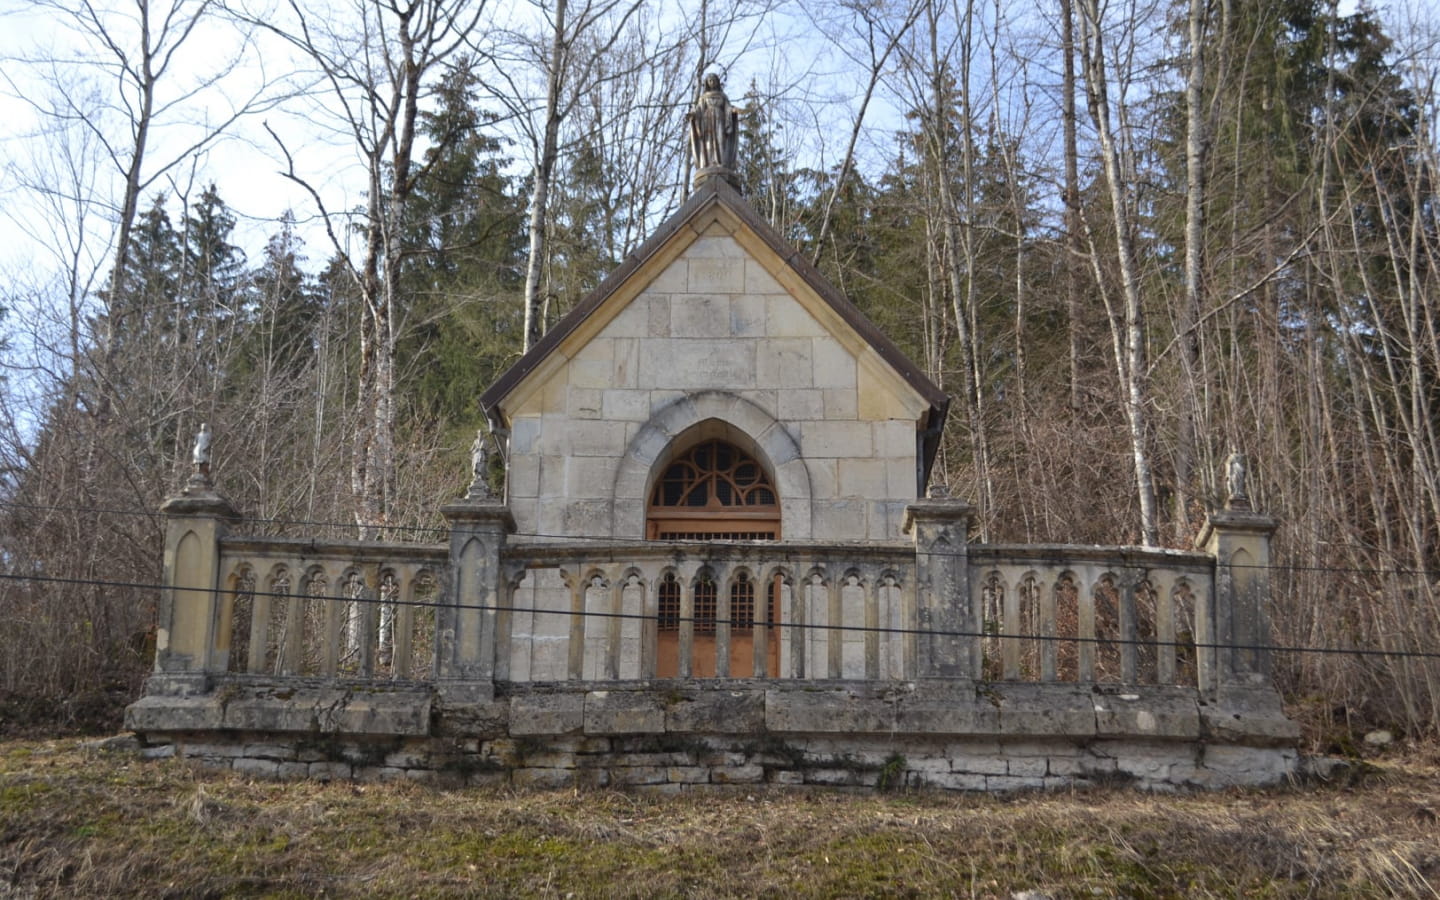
(200, 460)
(714, 132)
(1235, 473)
(480, 465)
(938, 490)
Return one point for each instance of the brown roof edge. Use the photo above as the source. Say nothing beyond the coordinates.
(716, 190)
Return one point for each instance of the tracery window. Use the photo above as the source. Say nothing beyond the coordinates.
(714, 491)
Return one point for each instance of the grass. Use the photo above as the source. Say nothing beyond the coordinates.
(83, 823)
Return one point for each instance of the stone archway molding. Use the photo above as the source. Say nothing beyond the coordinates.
(769, 438)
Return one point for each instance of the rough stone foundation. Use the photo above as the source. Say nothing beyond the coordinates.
(668, 737)
(719, 762)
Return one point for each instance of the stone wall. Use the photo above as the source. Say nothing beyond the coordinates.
(673, 737)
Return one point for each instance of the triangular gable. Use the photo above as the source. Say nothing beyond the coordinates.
(716, 208)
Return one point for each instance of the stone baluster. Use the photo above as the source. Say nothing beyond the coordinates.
(1011, 646)
(260, 604)
(335, 609)
(767, 585)
(292, 659)
(1129, 627)
(686, 665)
(794, 637)
(1165, 586)
(403, 653)
(1088, 648)
(947, 615)
(1049, 656)
(465, 619)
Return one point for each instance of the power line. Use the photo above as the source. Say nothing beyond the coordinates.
(735, 623)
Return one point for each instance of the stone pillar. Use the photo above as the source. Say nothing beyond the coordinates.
(1238, 623)
(191, 637)
(1242, 703)
(465, 623)
(948, 619)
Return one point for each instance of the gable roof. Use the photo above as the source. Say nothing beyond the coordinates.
(710, 193)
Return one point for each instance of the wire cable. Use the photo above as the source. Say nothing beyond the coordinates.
(706, 621)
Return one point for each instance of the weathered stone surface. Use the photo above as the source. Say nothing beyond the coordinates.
(270, 751)
(939, 708)
(722, 711)
(1044, 710)
(215, 748)
(261, 768)
(1249, 765)
(821, 710)
(1027, 767)
(1249, 716)
(629, 775)
(168, 713)
(160, 751)
(543, 778)
(838, 777)
(623, 712)
(1012, 783)
(954, 781)
(1153, 712)
(749, 774)
(543, 714)
(331, 771)
(665, 790)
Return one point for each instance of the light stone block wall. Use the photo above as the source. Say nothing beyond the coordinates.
(714, 323)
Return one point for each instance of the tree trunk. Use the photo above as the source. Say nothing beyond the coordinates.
(1130, 361)
(544, 171)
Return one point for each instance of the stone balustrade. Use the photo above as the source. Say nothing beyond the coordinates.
(1092, 614)
(960, 660)
(486, 610)
(297, 607)
(727, 610)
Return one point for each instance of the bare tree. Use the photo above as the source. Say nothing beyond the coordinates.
(1127, 327)
(880, 30)
(376, 68)
(575, 43)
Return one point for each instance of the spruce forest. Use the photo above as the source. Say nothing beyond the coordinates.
(1126, 238)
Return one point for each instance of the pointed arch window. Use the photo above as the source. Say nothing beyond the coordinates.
(714, 491)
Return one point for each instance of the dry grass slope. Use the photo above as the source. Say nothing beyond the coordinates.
(82, 823)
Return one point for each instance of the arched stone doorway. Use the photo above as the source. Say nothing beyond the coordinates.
(715, 491)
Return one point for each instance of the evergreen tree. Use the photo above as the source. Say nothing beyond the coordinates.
(462, 276)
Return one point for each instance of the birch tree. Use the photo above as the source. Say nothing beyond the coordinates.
(1127, 324)
(375, 68)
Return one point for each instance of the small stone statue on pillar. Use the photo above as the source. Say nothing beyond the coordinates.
(480, 465)
(200, 459)
(1235, 466)
(714, 133)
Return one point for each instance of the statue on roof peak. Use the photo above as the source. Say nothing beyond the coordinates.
(714, 132)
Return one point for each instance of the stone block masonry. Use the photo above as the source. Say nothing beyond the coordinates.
(676, 736)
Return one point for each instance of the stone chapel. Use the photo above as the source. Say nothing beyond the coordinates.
(717, 559)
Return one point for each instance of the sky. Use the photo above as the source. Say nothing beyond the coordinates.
(246, 163)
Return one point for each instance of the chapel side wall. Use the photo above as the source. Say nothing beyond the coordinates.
(715, 322)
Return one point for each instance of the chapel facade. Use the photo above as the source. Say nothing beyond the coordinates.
(717, 559)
